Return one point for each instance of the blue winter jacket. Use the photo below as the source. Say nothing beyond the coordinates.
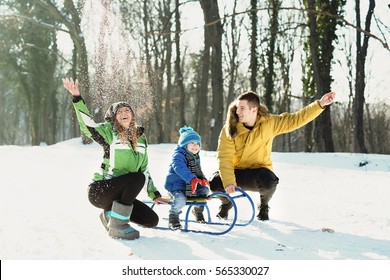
(179, 174)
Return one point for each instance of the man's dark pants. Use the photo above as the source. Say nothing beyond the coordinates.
(261, 180)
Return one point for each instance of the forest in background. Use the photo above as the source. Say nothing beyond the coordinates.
(140, 51)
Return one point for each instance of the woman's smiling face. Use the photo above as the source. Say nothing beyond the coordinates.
(124, 116)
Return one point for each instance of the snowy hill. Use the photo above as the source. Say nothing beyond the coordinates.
(46, 214)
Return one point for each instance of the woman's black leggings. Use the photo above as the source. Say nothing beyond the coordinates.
(124, 189)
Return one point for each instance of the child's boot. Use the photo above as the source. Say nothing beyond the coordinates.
(174, 222)
(118, 225)
(198, 213)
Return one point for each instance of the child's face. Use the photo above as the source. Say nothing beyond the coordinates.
(193, 147)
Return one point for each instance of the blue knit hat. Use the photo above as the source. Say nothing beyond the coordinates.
(188, 135)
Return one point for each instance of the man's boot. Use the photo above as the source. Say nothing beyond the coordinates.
(224, 210)
(265, 196)
(263, 213)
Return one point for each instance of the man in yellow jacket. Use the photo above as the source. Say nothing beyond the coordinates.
(245, 144)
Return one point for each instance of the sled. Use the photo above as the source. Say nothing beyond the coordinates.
(225, 225)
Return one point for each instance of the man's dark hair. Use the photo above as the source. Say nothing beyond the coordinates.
(254, 101)
(252, 98)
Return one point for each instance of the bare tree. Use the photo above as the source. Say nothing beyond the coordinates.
(178, 71)
(360, 83)
(269, 69)
(253, 41)
(202, 112)
(285, 55)
(232, 54)
(70, 18)
(322, 35)
(167, 26)
(214, 32)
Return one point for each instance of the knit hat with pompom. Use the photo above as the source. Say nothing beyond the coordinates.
(188, 135)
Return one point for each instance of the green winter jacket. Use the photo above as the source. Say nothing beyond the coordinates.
(118, 159)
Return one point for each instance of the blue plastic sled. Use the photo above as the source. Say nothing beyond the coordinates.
(227, 226)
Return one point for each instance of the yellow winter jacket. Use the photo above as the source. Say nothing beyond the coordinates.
(250, 149)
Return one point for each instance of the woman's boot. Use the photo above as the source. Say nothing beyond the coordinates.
(118, 225)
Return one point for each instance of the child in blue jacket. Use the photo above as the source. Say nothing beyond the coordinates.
(185, 170)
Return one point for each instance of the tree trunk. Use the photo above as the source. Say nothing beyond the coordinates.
(233, 66)
(202, 108)
(253, 41)
(179, 74)
(285, 54)
(167, 109)
(71, 19)
(322, 54)
(153, 84)
(359, 100)
(269, 73)
(214, 32)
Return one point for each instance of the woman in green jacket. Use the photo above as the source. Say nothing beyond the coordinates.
(124, 170)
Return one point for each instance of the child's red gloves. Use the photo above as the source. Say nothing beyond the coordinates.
(205, 183)
(195, 181)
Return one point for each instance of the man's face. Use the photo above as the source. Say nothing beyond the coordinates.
(245, 114)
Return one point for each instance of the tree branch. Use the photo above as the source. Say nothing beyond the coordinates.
(367, 33)
(40, 23)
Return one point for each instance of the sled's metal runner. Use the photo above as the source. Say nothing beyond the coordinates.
(203, 202)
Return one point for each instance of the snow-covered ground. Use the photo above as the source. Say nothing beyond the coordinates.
(45, 213)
